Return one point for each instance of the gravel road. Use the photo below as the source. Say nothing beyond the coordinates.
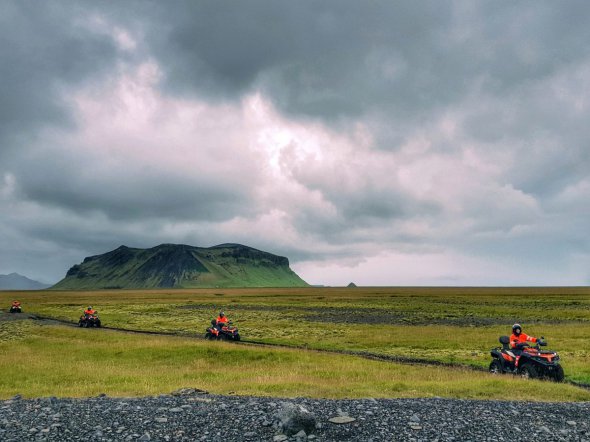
(191, 415)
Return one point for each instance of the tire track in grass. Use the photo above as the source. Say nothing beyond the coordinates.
(362, 354)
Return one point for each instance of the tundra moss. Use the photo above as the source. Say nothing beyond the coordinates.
(451, 325)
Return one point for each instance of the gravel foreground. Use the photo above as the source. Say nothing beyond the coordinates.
(191, 415)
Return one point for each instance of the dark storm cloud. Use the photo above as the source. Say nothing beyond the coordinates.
(128, 193)
(346, 58)
(323, 59)
(42, 54)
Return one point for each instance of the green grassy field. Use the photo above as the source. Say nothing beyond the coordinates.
(452, 325)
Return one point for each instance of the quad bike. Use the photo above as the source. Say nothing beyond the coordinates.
(89, 320)
(16, 308)
(226, 332)
(532, 363)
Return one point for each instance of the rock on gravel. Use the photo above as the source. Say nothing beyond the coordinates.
(218, 418)
(295, 418)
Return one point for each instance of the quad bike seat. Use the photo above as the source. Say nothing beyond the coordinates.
(505, 341)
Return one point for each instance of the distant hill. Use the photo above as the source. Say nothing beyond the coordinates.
(14, 281)
(181, 266)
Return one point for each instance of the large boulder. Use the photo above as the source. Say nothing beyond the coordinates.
(293, 418)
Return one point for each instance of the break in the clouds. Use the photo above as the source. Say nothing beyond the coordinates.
(385, 143)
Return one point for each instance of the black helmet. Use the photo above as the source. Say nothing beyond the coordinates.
(516, 327)
(89, 307)
(221, 314)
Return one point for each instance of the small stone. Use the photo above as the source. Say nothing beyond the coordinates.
(161, 420)
(33, 430)
(415, 418)
(176, 410)
(572, 423)
(250, 434)
(415, 426)
(280, 438)
(341, 419)
(146, 437)
(301, 435)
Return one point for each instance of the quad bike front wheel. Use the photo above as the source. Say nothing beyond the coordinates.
(496, 367)
(528, 371)
(558, 375)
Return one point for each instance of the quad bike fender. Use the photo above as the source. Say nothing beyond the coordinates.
(504, 358)
(541, 362)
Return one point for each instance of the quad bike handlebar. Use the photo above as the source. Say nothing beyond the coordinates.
(540, 343)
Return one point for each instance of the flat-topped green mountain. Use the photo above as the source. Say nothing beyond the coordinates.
(181, 266)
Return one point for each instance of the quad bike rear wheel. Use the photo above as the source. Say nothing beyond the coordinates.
(528, 371)
(496, 367)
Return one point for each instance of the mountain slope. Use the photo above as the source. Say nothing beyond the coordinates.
(181, 266)
(14, 281)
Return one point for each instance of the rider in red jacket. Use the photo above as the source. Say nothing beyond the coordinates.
(221, 320)
(518, 338)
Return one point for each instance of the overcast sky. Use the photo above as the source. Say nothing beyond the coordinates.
(379, 142)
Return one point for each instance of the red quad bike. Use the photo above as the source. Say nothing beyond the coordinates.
(15, 308)
(227, 332)
(533, 362)
(89, 320)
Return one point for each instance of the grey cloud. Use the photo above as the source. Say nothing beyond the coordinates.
(129, 192)
(333, 59)
(42, 54)
(319, 59)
